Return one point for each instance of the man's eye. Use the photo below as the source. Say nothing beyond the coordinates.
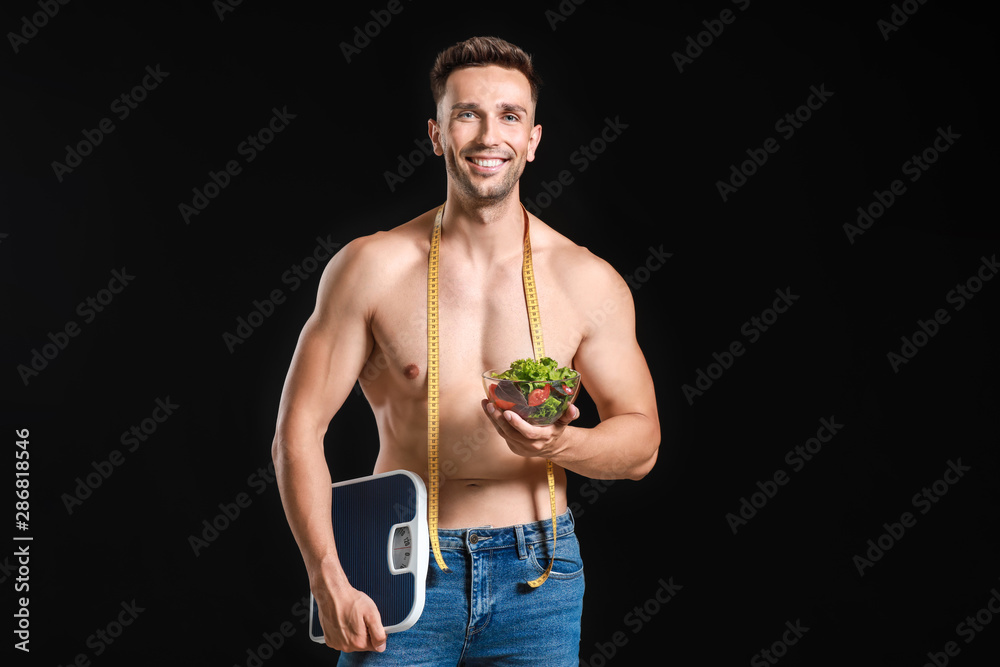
(465, 114)
(511, 118)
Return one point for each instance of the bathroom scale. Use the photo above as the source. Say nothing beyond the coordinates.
(380, 525)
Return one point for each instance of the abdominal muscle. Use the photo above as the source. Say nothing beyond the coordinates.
(482, 482)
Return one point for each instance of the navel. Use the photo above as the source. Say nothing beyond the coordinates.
(411, 371)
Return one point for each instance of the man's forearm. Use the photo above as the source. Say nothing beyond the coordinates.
(620, 447)
(304, 484)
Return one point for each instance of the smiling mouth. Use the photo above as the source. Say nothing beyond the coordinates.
(486, 163)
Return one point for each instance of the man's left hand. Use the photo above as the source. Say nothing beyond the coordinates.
(525, 439)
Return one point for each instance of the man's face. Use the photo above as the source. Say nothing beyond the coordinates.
(484, 130)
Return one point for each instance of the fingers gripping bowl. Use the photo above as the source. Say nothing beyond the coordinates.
(538, 391)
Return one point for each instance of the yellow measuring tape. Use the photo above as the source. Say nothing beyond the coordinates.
(433, 393)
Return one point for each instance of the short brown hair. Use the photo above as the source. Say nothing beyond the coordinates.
(479, 52)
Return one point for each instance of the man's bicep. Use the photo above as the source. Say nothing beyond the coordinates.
(614, 369)
(331, 352)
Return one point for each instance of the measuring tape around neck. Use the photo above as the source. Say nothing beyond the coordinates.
(433, 380)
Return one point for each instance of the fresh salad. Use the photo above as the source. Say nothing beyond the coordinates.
(538, 389)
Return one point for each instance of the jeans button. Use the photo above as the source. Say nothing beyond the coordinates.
(473, 538)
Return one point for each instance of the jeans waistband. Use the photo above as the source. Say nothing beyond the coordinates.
(519, 536)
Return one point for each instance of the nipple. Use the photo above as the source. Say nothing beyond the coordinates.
(411, 371)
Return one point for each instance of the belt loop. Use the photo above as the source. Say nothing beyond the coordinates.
(522, 550)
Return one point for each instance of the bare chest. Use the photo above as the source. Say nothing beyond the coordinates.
(483, 324)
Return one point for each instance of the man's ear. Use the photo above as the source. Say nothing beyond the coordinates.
(434, 132)
(533, 140)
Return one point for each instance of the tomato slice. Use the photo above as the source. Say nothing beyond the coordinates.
(499, 402)
(539, 396)
(566, 389)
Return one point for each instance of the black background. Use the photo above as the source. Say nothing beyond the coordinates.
(654, 187)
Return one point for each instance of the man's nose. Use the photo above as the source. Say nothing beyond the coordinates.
(489, 132)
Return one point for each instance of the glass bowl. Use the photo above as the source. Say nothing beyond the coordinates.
(538, 402)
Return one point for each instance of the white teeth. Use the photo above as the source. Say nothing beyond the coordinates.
(487, 163)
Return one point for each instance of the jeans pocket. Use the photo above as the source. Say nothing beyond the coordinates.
(568, 562)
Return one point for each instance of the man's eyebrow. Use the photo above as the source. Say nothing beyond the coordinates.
(507, 106)
(502, 106)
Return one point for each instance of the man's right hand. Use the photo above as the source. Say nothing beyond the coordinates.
(351, 621)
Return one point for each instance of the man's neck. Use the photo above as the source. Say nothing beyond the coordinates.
(484, 231)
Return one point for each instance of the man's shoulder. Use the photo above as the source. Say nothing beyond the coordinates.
(388, 249)
(368, 266)
(585, 267)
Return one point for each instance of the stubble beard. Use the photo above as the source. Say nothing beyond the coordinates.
(484, 194)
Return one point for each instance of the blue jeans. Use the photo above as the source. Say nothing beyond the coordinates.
(484, 613)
